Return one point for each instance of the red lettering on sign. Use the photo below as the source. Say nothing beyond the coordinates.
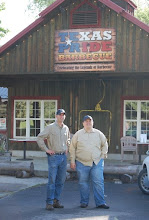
(94, 47)
(106, 46)
(84, 47)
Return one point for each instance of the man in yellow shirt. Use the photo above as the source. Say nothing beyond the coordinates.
(88, 149)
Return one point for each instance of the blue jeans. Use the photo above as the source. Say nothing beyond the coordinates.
(95, 174)
(57, 167)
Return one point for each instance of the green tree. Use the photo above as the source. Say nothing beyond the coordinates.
(143, 14)
(3, 31)
(39, 5)
(142, 11)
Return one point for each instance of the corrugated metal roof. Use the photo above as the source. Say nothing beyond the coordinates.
(3, 93)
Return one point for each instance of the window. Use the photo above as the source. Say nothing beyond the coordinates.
(32, 116)
(85, 14)
(3, 115)
(136, 118)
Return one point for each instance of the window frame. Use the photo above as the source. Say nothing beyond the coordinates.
(133, 99)
(42, 119)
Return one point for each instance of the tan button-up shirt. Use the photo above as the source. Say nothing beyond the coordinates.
(58, 138)
(88, 147)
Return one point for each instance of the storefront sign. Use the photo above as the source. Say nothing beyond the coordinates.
(85, 50)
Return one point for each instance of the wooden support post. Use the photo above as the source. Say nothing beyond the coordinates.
(76, 113)
(71, 111)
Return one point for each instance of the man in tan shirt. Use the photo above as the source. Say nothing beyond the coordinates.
(88, 149)
(58, 139)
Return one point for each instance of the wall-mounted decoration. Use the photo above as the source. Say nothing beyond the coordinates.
(85, 50)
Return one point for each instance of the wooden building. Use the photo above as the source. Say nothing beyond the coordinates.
(86, 56)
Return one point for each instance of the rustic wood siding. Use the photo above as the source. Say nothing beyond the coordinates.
(34, 54)
(87, 93)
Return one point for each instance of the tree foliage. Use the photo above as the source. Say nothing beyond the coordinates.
(39, 5)
(3, 31)
(143, 15)
(142, 11)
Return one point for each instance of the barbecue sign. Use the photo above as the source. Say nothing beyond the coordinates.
(85, 50)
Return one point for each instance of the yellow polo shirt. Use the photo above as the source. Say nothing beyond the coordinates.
(88, 147)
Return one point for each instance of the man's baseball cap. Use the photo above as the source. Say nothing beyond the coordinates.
(60, 111)
(87, 117)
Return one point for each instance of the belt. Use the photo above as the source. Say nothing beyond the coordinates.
(60, 153)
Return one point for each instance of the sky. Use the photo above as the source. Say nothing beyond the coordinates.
(15, 18)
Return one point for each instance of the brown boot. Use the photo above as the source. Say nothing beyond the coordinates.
(56, 204)
(49, 207)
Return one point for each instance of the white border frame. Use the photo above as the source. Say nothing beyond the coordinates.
(42, 119)
(138, 116)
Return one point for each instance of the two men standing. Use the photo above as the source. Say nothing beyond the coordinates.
(88, 149)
